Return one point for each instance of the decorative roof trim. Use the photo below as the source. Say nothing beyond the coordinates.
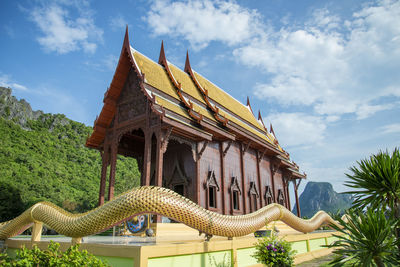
(125, 63)
(249, 105)
(162, 60)
(204, 93)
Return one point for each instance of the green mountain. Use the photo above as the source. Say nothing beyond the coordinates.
(43, 157)
(321, 196)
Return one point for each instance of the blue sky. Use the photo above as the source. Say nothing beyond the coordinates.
(325, 73)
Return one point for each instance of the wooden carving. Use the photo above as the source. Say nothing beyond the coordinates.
(211, 180)
(268, 192)
(253, 189)
(235, 185)
(131, 102)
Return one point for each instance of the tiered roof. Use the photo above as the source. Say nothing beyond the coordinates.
(188, 98)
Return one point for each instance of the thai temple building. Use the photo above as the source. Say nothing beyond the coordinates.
(189, 135)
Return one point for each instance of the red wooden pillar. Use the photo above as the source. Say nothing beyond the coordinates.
(104, 162)
(296, 186)
(146, 159)
(287, 194)
(198, 178)
(258, 159)
(159, 158)
(160, 149)
(113, 163)
(222, 159)
(273, 170)
(244, 195)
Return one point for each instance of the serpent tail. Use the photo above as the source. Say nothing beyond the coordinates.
(156, 200)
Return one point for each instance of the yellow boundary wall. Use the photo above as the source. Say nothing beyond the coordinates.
(218, 250)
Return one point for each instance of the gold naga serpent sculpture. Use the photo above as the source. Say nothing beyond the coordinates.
(156, 200)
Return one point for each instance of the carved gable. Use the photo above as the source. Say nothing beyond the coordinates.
(281, 197)
(131, 102)
(212, 180)
(268, 192)
(235, 185)
(253, 189)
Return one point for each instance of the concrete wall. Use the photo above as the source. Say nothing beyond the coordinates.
(236, 252)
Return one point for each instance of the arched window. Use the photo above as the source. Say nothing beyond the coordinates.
(212, 187)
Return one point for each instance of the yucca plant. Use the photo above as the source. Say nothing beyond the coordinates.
(368, 239)
(377, 182)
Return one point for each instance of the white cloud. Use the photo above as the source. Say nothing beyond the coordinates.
(63, 32)
(6, 81)
(335, 69)
(297, 129)
(334, 175)
(118, 22)
(334, 65)
(365, 110)
(110, 62)
(203, 21)
(391, 128)
(107, 63)
(9, 30)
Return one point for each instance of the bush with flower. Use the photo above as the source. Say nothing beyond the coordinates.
(274, 252)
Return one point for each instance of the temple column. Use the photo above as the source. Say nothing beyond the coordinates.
(287, 193)
(258, 159)
(222, 159)
(104, 162)
(288, 198)
(113, 163)
(296, 187)
(245, 193)
(146, 159)
(198, 178)
(273, 170)
(160, 150)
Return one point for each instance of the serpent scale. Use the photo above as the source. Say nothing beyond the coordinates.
(156, 200)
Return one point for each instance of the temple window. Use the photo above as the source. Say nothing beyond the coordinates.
(235, 192)
(212, 196)
(180, 189)
(281, 197)
(212, 187)
(235, 198)
(268, 195)
(253, 196)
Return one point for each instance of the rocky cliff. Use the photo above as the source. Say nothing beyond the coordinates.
(18, 111)
(321, 196)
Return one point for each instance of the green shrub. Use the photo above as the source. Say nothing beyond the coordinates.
(367, 238)
(52, 257)
(274, 252)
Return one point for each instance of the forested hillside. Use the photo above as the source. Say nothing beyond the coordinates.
(43, 157)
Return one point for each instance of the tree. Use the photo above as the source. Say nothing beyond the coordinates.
(10, 202)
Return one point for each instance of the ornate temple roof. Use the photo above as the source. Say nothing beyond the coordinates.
(186, 97)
